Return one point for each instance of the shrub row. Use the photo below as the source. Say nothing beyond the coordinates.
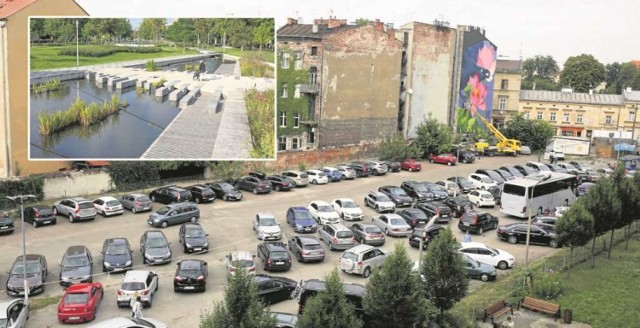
(260, 111)
(256, 68)
(101, 51)
(24, 186)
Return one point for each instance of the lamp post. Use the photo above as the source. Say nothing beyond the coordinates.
(526, 254)
(422, 236)
(22, 198)
(77, 46)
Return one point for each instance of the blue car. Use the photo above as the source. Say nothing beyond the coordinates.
(301, 220)
(333, 174)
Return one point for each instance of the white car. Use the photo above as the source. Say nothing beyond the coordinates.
(347, 209)
(392, 225)
(560, 210)
(126, 322)
(362, 259)
(379, 202)
(267, 227)
(482, 198)
(108, 206)
(481, 181)
(317, 177)
(347, 172)
(553, 155)
(450, 186)
(489, 255)
(13, 313)
(143, 282)
(240, 261)
(323, 213)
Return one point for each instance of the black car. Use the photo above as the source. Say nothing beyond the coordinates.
(458, 205)
(477, 222)
(464, 183)
(170, 194)
(515, 172)
(306, 289)
(492, 174)
(117, 255)
(431, 208)
(478, 270)
(583, 188)
(525, 170)
(517, 233)
(581, 176)
(253, 184)
(506, 175)
(397, 195)
(464, 156)
(225, 191)
(431, 233)
(6, 224)
(36, 269)
(274, 256)
(417, 190)
(414, 217)
(38, 215)
(273, 289)
(280, 182)
(155, 248)
(193, 238)
(201, 193)
(438, 191)
(496, 192)
(394, 166)
(191, 275)
(76, 266)
(361, 168)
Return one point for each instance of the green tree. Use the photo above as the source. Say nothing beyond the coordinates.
(535, 134)
(329, 308)
(182, 31)
(537, 83)
(575, 228)
(611, 73)
(263, 33)
(543, 67)
(227, 170)
(632, 187)
(152, 29)
(126, 174)
(241, 307)
(395, 148)
(582, 73)
(239, 33)
(443, 269)
(36, 28)
(433, 137)
(603, 204)
(362, 21)
(628, 72)
(629, 196)
(394, 286)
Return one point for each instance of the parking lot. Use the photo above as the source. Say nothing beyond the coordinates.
(229, 227)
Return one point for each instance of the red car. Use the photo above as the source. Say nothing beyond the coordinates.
(448, 159)
(80, 302)
(410, 165)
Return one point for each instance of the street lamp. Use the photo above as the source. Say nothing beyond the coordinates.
(22, 198)
(540, 179)
(422, 236)
(77, 46)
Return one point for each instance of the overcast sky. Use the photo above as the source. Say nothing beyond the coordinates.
(607, 29)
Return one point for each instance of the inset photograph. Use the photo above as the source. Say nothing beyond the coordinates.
(151, 88)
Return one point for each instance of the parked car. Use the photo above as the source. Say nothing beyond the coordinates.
(14, 313)
(435, 208)
(38, 215)
(323, 212)
(540, 167)
(378, 168)
(80, 303)
(481, 181)
(394, 166)
(337, 236)
(285, 320)
(281, 183)
(489, 255)
(108, 206)
(526, 170)
(301, 220)
(240, 260)
(482, 198)
(559, 211)
(414, 217)
(511, 169)
(333, 174)
(459, 205)
(362, 169)
(253, 184)
(128, 322)
(347, 209)
(307, 288)
(76, 209)
(417, 190)
(193, 238)
(464, 156)
(594, 176)
(392, 225)
(317, 177)
(301, 179)
(143, 282)
(155, 248)
(201, 193)
(136, 203)
(368, 234)
(545, 222)
(451, 187)
(267, 227)
(116, 255)
(76, 266)
(226, 191)
(438, 192)
(7, 225)
(475, 269)
(493, 175)
(581, 176)
(36, 268)
(191, 275)
(174, 214)
(557, 168)
(170, 195)
(274, 256)
(506, 175)
(517, 233)
(361, 260)
(348, 173)
(427, 236)
(496, 192)
(397, 195)
(272, 289)
(605, 172)
(410, 165)
(448, 159)
(477, 222)
(379, 202)
(464, 183)
(306, 248)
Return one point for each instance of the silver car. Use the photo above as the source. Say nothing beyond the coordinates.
(361, 260)
(136, 203)
(392, 225)
(337, 236)
(125, 322)
(379, 202)
(300, 178)
(347, 172)
(75, 209)
(141, 282)
(13, 313)
(368, 234)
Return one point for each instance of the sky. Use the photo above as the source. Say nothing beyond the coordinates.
(608, 30)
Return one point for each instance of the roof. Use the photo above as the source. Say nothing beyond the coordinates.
(571, 97)
(508, 66)
(135, 275)
(632, 95)
(360, 249)
(306, 31)
(528, 181)
(10, 7)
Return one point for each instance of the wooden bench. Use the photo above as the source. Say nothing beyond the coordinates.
(541, 306)
(496, 309)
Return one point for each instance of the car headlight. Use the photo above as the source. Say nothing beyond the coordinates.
(205, 245)
(187, 244)
(10, 286)
(86, 277)
(65, 279)
(107, 264)
(167, 255)
(146, 256)
(128, 263)
(298, 226)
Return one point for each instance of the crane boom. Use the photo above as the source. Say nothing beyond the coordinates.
(504, 145)
(496, 132)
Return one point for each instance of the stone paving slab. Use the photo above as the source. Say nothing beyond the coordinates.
(234, 136)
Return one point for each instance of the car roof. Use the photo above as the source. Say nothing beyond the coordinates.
(107, 198)
(293, 171)
(242, 255)
(136, 275)
(377, 193)
(393, 216)
(344, 200)
(308, 240)
(320, 202)
(298, 208)
(192, 225)
(329, 168)
(83, 287)
(186, 261)
(136, 195)
(339, 226)
(79, 199)
(118, 240)
(125, 322)
(349, 288)
(473, 244)
(315, 171)
(76, 250)
(360, 249)
(263, 215)
(30, 257)
(155, 234)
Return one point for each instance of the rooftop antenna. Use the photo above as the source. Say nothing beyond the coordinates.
(520, 50)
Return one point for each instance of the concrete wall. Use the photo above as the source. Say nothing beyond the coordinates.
(76, 183)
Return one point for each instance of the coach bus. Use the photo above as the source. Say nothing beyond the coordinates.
(550, 190)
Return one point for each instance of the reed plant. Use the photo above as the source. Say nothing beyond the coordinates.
(50, 85)
(151, 65)
(79, 113)
(260, 112)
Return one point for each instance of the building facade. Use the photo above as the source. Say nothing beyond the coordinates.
(506, 90)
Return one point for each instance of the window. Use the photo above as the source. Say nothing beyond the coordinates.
(285, 92)
(282, 143)
(283, 119)
(295, 143)
(285, 60)
(552, 117)
(632, 116)
(565, 117)
(298, 63)
(539, 116)
(579, 119)
(504, 85)
(313, 75)
(314, 51)
(607, 119)
(296, 93)
(502, 104)
(296, 120)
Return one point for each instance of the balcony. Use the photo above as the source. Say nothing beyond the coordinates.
(313, 88)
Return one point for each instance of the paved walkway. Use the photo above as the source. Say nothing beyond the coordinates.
(234, 136)
(525, 318)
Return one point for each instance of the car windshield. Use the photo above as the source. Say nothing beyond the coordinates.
(113, 203)
(156, 243)
(225, 186)
(75, 261)
(486, 179)
(373, 230)
(420, 187)
(325, 208)
(383, 198)
(164, 210)
(279, 255)
(32, 267)
(194, 233)
(117, 250)
(268, 222)
(397, 222)
(189, 273)
(303, 215)
(76, 298)
(344, 234)
(418, 215)
(350, 256)
(398, 192)
(349, 205)
(242, 263)
(570, 167)
(486, 196)
(135, 285)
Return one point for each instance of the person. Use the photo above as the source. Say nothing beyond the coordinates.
(508, 323)
(467, 236)
(132, 303)
(202, 66)
(137, 308)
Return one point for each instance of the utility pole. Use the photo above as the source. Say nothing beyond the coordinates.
(22, 198)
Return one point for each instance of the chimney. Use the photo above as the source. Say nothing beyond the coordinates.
(314, 28)
(292, 21)
(378, 25)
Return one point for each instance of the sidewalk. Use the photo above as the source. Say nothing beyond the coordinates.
(525, 319)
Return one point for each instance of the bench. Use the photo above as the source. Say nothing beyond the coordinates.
(497, 309)
(541, 306)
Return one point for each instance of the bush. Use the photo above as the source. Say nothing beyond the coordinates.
(151, 65)
(255, 67)
(50, 85)
(260, 111)
(79, 113)
(548, 286)
(132, 175)
(101, 51)
(23, 186)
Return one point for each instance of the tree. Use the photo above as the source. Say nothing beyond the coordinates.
(445, 277)
(329, 308)
(537, 83)
(433, 137)
(633, 186)
(626, 76)
(575, 228)
(629, 196)
(182, 31)
(603, 204)
(263, 33)
(543, 67)
(611, 72)
(36, 28)
(226, 170)
(362, 21)
(582, 73)
(239, 33)
(241, 306)
(152, 29)
(395, 287)
(535, 134)
(395, 148)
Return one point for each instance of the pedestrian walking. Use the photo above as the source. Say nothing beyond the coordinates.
(467, 236)
(137, 308)
(132, 303)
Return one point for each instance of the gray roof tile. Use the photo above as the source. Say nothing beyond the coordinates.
(571, 97)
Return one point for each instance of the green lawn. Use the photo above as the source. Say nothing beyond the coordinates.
(46, 57)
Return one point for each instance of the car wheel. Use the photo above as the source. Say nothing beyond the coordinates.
(153, 198)
(539, 211)
(512, 240)
(480, 231)
(299, 257)
(377, 208)
(344, 177)
(410, 170)
(254, 191)
(330, 246)
(35, 223)
(55, 221)
(175, 289)
(484, 277)
(193, 219)
(502, 265)
(225, 198)
(553, 243)
(133, 210)
(386, 231)
(277, 188)
(361, 241)
(430, 161)
(366, 273)
(164, 224)
(151, 300)
(197, 200)
(449, 163)
(315, 182)
(478, 204)
(71, 218)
